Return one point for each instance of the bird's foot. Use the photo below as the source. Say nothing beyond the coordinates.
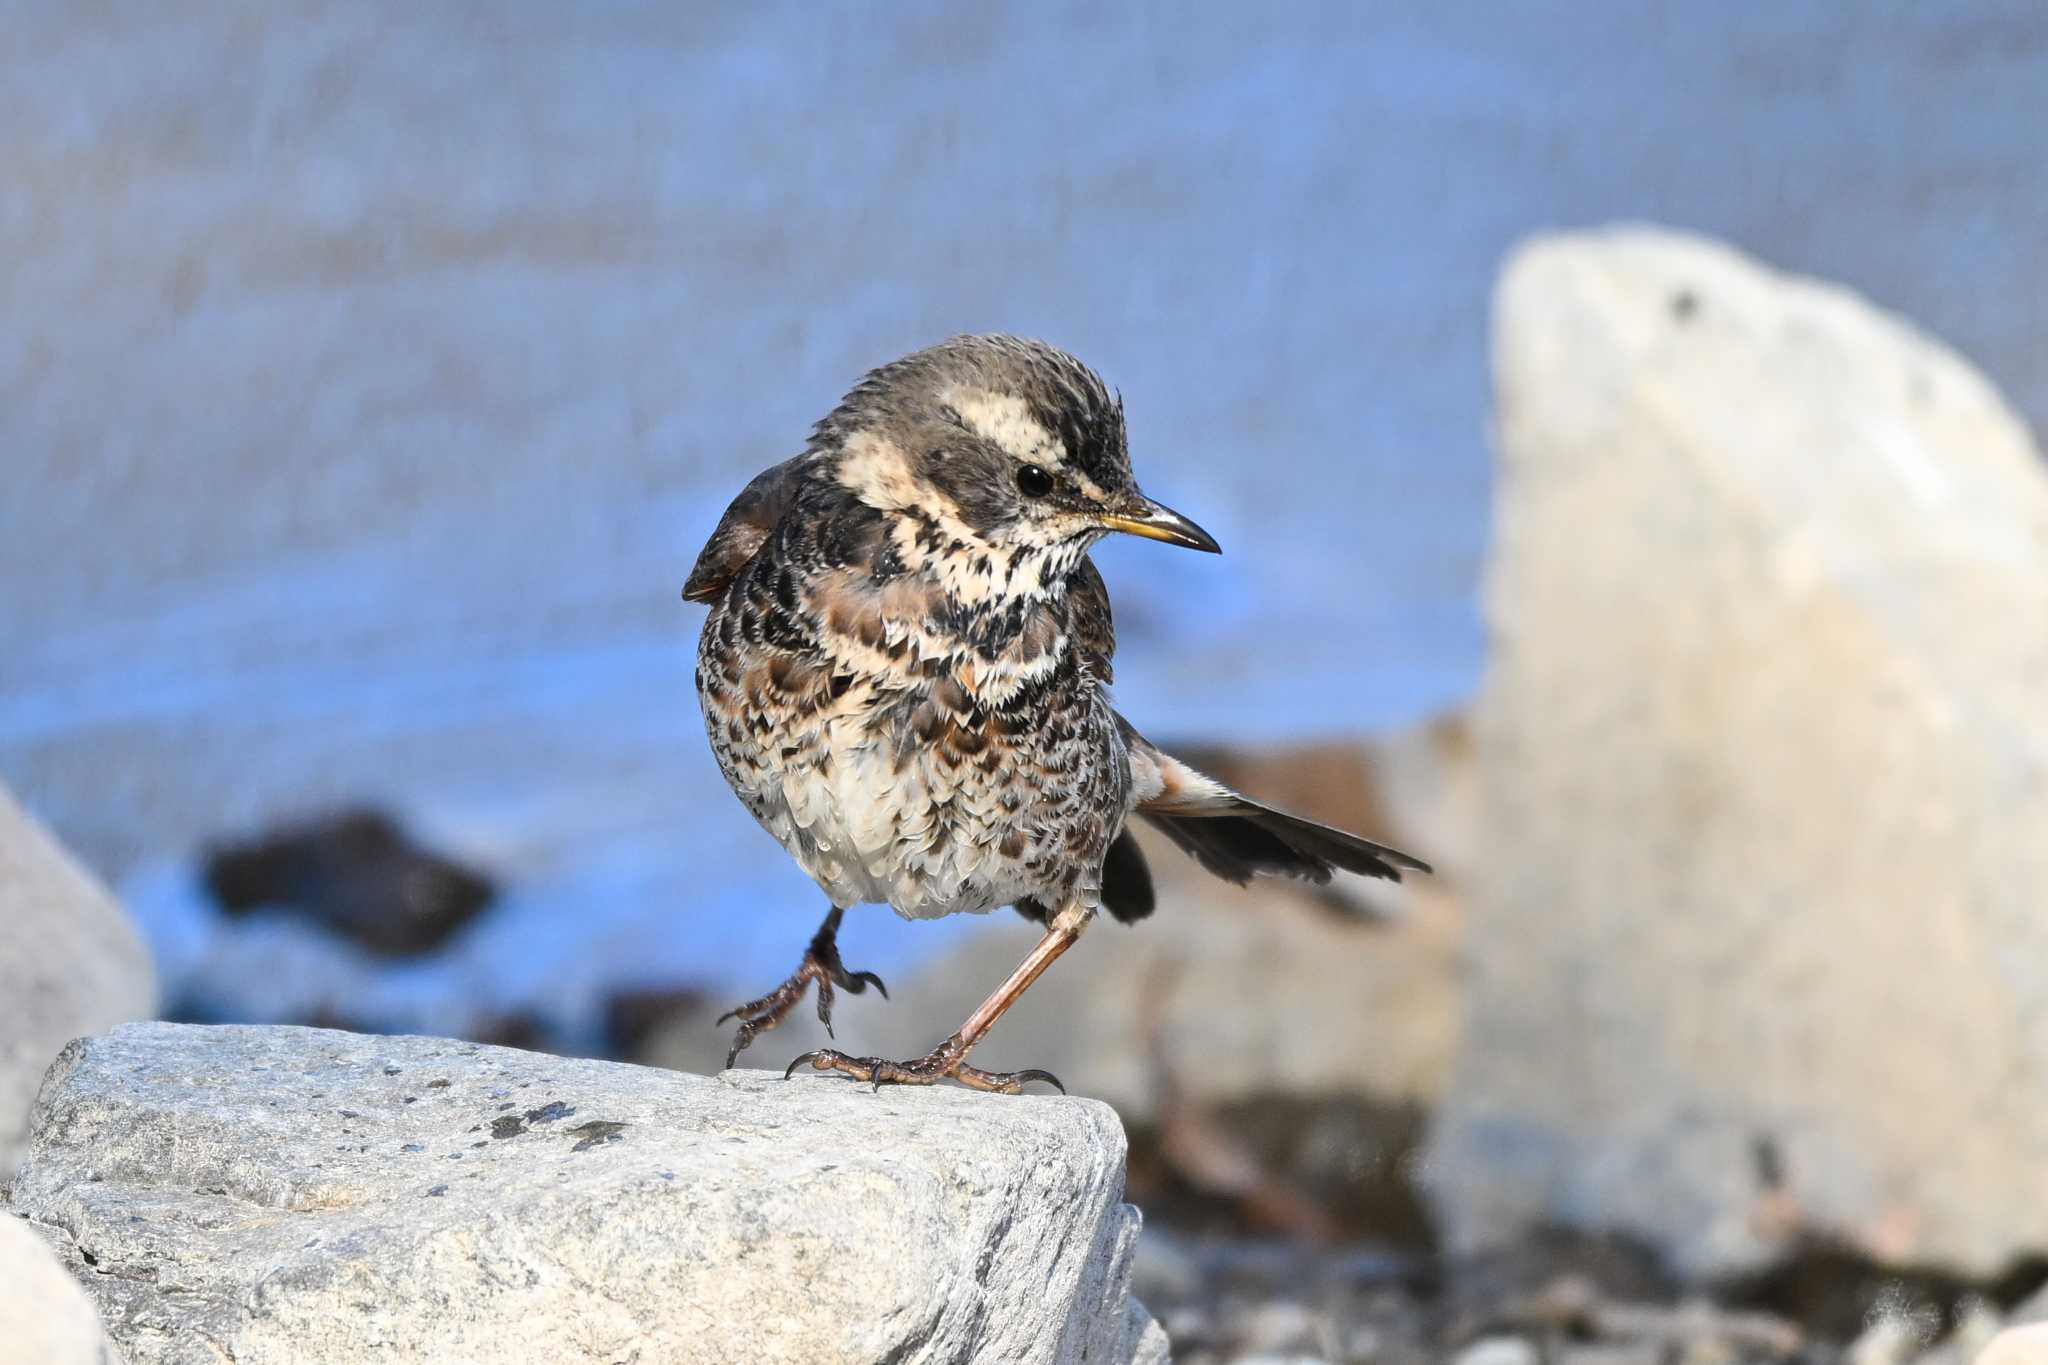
(947, 1059)
(821, 964)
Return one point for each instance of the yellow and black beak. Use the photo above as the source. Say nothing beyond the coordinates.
(1140, 516)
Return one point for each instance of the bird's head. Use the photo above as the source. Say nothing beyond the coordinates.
(998, 447)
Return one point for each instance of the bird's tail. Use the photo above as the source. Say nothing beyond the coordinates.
(1237, 838)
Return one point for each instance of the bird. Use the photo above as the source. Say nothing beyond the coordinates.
(905, 676)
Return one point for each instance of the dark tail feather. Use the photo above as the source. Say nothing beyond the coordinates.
(1244, 839)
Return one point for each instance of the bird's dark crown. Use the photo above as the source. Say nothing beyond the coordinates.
(1006, 444)
(1026, 397)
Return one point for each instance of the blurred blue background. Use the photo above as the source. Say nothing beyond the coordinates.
(372, 374)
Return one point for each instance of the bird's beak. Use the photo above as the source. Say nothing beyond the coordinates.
(1141, 516)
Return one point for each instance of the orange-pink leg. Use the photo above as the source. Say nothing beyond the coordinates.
(950, 1057)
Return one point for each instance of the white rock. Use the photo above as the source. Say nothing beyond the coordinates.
(70, 964)
(272, 1194)
(2017, 1346)
(1764, 755)
(1499, 1351)
(1893, 1339)
(45, 1318)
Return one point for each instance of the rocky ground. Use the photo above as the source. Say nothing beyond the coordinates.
(1227, 1288)
(1700, 1047)
(270, 1194)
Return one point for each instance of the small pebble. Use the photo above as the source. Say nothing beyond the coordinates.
(1499, 1351)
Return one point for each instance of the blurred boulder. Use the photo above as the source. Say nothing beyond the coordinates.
(1226, 993)
(1756, 939)
(45, 1318)
(358, 874)
(1322, 1169)
(70, 964)
(274, 1193)
(635, 1015)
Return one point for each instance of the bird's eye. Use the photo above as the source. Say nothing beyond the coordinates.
(1033, 482)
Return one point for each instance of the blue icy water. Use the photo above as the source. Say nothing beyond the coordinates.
(371, 375)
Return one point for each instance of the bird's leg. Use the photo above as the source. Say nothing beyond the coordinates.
(950, 1057)
(821, 964)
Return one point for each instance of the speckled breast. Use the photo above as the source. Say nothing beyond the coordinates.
(901, 760)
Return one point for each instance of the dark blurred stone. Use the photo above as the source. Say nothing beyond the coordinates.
(358, 874)
(634, 1017)
(1257, 1166)
(524, 1030)
(1834, 1290)
(1576, 1298)
(1488, 1292)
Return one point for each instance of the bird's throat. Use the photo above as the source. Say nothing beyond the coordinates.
(984, 575)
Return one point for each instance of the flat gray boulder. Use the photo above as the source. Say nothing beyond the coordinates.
(1757, 937)
(285, 1194)
(71, 963)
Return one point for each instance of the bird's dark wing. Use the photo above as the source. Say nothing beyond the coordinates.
(1237, 838)
(1088, 617)
(744, 528)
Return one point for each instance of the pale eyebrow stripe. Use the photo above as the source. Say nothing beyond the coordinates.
(1008, 421)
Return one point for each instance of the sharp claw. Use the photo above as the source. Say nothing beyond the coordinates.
(821, 966)
(935, 1066)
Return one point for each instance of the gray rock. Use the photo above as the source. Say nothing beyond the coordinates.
(280, 1194)
(1756, 941)
(70, 964)
(45, 1318)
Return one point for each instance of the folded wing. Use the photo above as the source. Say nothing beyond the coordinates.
(744, 529)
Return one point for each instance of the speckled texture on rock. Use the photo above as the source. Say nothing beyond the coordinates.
(281, 1194)
(70, 964)
(1764, 763)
